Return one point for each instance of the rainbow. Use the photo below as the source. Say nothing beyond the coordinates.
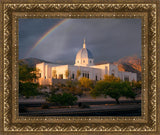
(46, 34)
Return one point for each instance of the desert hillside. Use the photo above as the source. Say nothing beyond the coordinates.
(130, 64)
(32, 61)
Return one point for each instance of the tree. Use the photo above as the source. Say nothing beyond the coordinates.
(75, 91)
(26, 73)
(62, 99)
(114, 89)
(72, 87)
(26, 77)
(136, 86)
(54, 72)
(111, 78)
(99, 88)
(85, 83)
(78, 74)
(67, 74)
(28, 89)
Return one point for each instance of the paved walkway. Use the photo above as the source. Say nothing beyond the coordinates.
(76, 110)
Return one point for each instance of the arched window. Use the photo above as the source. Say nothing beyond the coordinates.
(90, 61)
(96, 78)
(83, 61)
(77, 61)
(113, 73)
(88, 75)
(60, 76)
(73, 76)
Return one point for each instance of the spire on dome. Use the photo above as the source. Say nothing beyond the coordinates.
(84, 44)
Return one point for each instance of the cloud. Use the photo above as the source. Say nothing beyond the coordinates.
(108, 39)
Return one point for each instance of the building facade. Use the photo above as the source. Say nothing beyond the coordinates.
(84, 67)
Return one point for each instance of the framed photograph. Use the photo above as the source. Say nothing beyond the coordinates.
(80, 67)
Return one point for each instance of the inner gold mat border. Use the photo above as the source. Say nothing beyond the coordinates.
(6, 62)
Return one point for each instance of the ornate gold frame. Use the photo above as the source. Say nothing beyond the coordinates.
(147, 11)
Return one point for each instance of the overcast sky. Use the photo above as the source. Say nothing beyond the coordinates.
(107, 39)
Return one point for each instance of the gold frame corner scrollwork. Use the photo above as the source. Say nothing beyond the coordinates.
(12, 11)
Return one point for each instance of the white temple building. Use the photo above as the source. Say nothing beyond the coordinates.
(84, 63)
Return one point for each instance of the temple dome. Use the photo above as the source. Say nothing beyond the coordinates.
(84, 57)
(84, 53)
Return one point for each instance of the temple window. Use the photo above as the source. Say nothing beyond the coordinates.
(61, 76)
(96, 78)
(126, 78)
(72, 76)
(113, 73)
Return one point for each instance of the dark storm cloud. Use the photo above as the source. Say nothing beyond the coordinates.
(108, 39)
(30, 30)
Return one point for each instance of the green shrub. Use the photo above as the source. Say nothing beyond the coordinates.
(62, 99)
